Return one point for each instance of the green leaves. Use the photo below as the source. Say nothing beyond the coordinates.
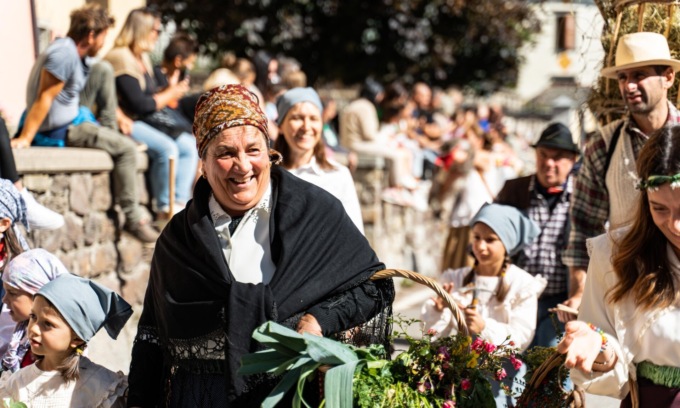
(298, 358)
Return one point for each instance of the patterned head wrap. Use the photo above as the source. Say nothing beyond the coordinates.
(28, 271)
(31, 270)
(12, 206)
(225, 107)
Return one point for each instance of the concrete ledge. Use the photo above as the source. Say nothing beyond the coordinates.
(52, 160)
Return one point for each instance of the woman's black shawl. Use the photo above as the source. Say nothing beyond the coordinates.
(323, 265)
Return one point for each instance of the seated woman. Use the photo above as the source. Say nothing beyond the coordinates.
(304, 151)
(629, 317)
(255, 244)
(141, 99)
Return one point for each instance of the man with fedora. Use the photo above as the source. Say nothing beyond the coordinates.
(604, 189)
(545, 197)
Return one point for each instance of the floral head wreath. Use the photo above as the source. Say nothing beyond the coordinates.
(653, 182)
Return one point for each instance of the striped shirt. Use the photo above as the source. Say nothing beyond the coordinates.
(590, 202)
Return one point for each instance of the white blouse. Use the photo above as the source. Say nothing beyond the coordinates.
(337, 181)
(515, 317)
(249, 243)
(634, 335)
(97, 387)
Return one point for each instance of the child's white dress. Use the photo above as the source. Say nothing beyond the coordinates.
(515, 317)
(97, 387)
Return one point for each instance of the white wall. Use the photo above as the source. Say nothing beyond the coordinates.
(542, 61)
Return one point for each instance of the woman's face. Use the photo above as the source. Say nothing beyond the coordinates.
(19, 302)
(154, 33)
(664, 205)
(487, 247)
(302, 128)
(236, 164)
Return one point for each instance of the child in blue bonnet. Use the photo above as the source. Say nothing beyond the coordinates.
(66, 314)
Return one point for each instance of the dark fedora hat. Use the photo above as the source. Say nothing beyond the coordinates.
(557, 136)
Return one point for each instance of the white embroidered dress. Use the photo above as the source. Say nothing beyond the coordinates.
(515, 317)
(634, 335)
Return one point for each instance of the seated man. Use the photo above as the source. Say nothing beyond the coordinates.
(54, 113)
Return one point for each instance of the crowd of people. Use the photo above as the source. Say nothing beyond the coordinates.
(265, 222)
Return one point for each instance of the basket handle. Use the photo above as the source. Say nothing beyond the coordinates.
(432, 284)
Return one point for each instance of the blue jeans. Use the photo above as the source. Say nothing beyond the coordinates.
(546, 335)
(161, 148)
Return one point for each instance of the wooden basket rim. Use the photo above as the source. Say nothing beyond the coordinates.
(432, 284)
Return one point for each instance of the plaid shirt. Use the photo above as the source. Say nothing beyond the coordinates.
(590, 204)
(544, 255)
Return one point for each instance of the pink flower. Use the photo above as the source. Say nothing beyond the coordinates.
(465, 384)
(511, 343)
(449, 404)
(421, 387)
(477, 344)
(517, 363)
(431, 332)
(489, 347)
(500, 374)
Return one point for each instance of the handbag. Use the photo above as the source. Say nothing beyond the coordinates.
(168, 121)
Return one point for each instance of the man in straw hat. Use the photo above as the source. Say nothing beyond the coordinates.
(545, 198)
(604, 189)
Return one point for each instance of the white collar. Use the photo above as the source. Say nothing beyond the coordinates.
(220, 217)
(311, 167)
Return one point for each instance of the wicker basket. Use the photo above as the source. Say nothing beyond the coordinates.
(432, 284)
(575, 398)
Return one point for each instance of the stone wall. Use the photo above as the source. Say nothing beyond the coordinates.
(77, 184)
(403, 237)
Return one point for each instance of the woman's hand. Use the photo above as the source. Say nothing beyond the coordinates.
(582, 346)
(474, 320)
(439, 304)
(309, 324)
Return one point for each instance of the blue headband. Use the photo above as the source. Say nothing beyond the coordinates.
(294, 96)
(513, 228)
(87, 306)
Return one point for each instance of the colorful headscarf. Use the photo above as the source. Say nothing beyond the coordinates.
(28, 271)
(225, 107)
(31, 270)
(12, 206)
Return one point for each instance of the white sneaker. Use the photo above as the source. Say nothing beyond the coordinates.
(39, 216)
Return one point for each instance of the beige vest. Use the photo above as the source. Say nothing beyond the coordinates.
(620, 178)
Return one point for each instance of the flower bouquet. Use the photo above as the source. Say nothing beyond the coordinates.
(453, 371)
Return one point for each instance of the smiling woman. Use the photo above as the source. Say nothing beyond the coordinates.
(629, 306)
(304, 151)
(255, 244)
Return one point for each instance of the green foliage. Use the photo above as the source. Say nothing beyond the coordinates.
(10, 403)
(550, 393)
(440, 41)
(443, 373)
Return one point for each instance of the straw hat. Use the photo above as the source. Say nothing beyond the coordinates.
(639, 50)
